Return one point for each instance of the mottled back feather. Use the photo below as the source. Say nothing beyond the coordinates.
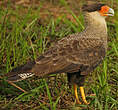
(71, 55)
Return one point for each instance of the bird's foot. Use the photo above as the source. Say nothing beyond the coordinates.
(83, 96)
(85, 102)
(76, 95)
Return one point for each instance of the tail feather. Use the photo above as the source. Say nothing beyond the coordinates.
(21, 73)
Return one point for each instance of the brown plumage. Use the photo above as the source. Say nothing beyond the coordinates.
(77, 54)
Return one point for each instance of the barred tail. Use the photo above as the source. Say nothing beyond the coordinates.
(19, 76)
(21, 73)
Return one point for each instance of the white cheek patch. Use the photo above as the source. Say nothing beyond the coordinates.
(25, 75)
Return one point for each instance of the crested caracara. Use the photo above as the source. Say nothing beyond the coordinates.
(77, 54)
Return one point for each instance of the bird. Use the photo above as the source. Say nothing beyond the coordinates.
(76, 55)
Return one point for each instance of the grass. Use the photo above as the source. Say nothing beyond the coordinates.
(23, 38)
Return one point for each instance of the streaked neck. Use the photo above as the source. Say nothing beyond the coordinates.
(94, 21)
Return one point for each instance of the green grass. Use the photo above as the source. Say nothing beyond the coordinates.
(23, 38)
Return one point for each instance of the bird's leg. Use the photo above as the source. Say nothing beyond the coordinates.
(83, 95)
(76, 95)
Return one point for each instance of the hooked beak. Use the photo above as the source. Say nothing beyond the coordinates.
(110, 12)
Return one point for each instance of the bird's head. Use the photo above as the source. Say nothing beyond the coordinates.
(102, 9)
(106, 11)
(96, 13)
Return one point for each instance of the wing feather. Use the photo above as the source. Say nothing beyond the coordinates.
(71, 55)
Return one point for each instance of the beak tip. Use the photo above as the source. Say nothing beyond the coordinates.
(111, 12)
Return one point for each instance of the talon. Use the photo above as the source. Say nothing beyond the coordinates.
(83, 95)
(76, 95)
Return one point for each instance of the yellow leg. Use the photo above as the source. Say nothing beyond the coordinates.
(76, 95)
(83, 95)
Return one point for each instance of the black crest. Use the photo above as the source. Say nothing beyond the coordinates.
(92, 7)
